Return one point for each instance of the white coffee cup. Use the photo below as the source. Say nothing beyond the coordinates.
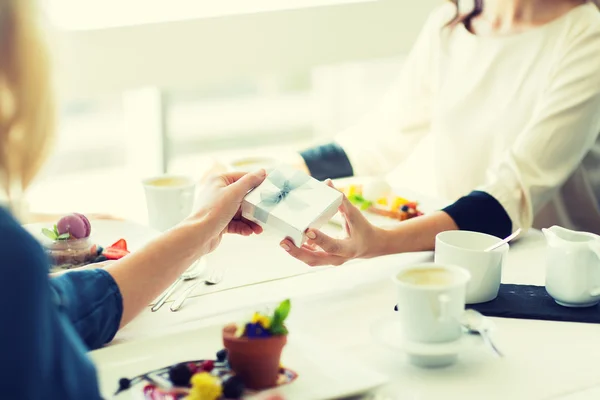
(466, 249)
(170, 199)
(431, 301)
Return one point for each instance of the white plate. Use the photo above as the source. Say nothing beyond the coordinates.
(107, 232)
(388, 332)
(426, 205)
(322, 374)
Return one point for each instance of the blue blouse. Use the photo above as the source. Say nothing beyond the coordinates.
(48, 325)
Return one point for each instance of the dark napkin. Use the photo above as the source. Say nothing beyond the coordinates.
(533, 302)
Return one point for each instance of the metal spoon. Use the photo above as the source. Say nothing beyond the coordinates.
(474, 322)
(504, 241)
(191, 273)
(214, 278)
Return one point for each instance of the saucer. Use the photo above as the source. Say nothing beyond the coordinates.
(388, 332)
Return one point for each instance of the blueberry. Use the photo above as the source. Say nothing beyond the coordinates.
(100, 258)
(99, 250)
(180, 375)
(405, 208)
(124, 384)
(222, 355)
(396, 307)
(233, 388)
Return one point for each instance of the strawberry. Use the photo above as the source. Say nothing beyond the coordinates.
(112, 253)
(120, 244)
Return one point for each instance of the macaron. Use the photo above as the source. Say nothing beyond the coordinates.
(87, 223)
(76, 225)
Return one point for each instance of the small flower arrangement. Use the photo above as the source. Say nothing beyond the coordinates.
(264, 326)
(254, 348)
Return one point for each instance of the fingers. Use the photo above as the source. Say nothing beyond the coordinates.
(311, 257)
(243, 227)
(241, 183)
(330, 245)
(352, 214)
(237, 227)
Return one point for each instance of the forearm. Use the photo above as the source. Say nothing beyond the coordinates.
(144, 274)
(417, 234)
(325, 161)
(98, 265)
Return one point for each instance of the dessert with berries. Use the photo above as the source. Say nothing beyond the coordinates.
(255, 347)
(69, 245)
(250, 362)
(377, 198)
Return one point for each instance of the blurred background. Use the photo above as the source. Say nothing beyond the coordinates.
(150, 86)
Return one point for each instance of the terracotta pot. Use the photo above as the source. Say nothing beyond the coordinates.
(254, 360)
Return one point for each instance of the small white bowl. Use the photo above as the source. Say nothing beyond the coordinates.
(466, 249)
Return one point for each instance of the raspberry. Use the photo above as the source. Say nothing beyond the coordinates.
(208, 365)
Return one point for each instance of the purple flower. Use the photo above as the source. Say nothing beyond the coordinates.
(256, 331)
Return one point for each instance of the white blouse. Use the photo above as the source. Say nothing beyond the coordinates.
(516, 116)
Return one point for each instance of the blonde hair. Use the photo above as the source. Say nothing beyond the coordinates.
(26, 100)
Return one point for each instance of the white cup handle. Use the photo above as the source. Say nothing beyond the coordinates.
(444, 301)
(595, 247)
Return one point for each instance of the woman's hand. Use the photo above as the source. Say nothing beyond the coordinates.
(363, 240)
(219, 201)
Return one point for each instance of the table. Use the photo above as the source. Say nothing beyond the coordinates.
(339, 306)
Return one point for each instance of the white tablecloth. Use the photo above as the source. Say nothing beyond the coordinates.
(340, 306)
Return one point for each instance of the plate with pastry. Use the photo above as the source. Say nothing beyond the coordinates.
(74, 241)
(381, 204)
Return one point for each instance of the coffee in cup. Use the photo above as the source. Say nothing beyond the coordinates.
(170, 199)
(431, 300)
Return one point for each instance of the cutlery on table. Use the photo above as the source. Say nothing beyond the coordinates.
(191, 273)
(215, 276)
(504, 241)
(475, 322)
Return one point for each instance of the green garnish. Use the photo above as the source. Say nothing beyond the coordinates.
(54, 235)
(360, 201)
(48, 233)
(277, 327)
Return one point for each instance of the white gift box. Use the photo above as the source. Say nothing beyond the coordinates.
(291, 202)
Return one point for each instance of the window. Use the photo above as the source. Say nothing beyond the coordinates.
(130, 109)
(101, 14)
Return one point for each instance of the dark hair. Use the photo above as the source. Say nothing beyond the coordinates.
(466, 18)
(477, 9)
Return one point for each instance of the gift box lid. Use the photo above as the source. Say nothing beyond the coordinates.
(292, 197)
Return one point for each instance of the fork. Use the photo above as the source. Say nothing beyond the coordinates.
(215, 276)
(191, 273)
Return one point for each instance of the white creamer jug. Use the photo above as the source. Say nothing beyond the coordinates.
(572, 267)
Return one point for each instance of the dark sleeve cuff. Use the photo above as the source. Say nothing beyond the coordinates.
(92, 301)
(480, 212)
(327, 161)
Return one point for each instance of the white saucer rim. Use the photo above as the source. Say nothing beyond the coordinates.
(420, 349)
